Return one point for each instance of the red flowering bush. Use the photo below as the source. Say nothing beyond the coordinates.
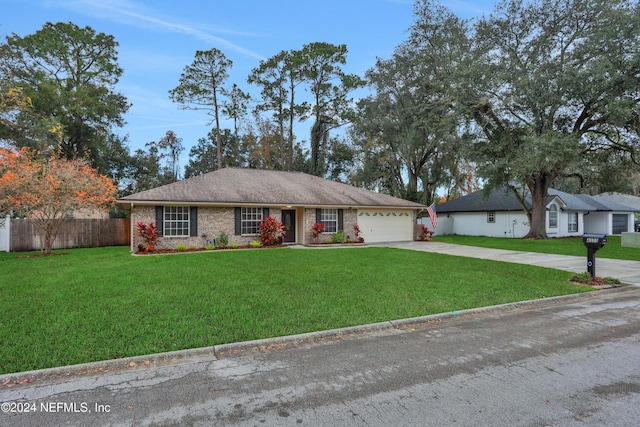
(271, 231)
(356, 230)
(149, 234)
(316, 230)
(426, 234)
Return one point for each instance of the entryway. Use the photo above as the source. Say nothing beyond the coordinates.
(289, 222)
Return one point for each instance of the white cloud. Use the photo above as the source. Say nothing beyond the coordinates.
(130, 13)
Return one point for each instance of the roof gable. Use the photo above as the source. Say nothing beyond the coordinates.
(237, 186)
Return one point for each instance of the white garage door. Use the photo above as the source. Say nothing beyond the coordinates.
(381, 225)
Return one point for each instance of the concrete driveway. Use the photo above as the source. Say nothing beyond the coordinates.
(626, 271)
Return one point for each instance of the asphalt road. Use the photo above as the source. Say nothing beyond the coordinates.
(561, 362)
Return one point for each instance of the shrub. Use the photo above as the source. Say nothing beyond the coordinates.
(581, 278)
(149, 235)
(222, 241)
(359, 238)
(210, 247)
(338, 237)
(255, 244)
(593, 281)
(426, 234)
(271, 231)
(234, 246)
(316, 230)
(181, 247)
(192, 248)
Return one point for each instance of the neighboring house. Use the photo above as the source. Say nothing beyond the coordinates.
(627, 200)
(234, 201)
(500, 215)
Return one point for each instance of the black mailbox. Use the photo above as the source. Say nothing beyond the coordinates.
(593, 242)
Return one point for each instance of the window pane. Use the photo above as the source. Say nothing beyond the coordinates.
(573, 222)
(553, 216)
(250, 220)
(329, 217)
(176, 221)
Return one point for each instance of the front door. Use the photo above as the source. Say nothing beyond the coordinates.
(289, 222)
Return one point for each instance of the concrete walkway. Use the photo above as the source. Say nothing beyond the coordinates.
(626, 271)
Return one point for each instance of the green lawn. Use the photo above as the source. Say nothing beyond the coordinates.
(565, 246)
(97, 304)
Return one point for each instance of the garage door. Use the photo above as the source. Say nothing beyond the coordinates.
(620, 223)
(380, 225)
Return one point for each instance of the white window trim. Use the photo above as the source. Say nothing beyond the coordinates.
(167, 230)
(253, 212)
(570, 222)
(327, 217)
(551, 210)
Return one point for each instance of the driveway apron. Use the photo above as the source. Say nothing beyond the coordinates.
(626, 271)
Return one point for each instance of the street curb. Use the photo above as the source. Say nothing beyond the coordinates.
(223, 351)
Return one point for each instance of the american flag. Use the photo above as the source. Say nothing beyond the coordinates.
(431, 210)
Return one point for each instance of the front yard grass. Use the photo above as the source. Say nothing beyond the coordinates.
(97, 304)
(563, 246)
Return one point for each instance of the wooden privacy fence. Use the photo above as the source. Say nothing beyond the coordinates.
(74, 233)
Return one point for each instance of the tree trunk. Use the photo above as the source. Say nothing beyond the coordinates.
(538, 217)
(218, 139)
(316, 141)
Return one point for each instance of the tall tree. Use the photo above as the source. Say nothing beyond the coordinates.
(553, 80)
(49, 191)
(235, 108)
(69, 75)
(203, 157)
(200, 86)
(170, 147)
(143, 172)
(321, 68)
(279, 77)
(410, 121)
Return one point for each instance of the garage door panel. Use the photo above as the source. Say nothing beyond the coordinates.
(380, 225)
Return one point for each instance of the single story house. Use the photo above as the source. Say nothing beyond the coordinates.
(234, 201)
(500, 215)
(627, 200)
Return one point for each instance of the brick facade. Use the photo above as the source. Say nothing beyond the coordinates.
(349, 220)
(213, 220)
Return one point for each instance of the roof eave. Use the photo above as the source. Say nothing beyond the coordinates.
(127, 204)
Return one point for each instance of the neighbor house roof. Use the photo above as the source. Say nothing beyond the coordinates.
(238, 186)
(505, 200)
(620, 198)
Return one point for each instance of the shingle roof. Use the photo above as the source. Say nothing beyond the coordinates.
(502, 200)
(235, 186)
(498, 200)
(622, 199)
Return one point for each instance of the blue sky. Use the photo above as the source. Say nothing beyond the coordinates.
(157, 39)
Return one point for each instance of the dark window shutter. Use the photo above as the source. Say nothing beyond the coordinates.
(265, 213)
(193, 221)
(318, 215)
(238, 221)
(159, 219)
(340, 219)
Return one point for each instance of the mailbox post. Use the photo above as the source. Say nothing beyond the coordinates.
(593, 242)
